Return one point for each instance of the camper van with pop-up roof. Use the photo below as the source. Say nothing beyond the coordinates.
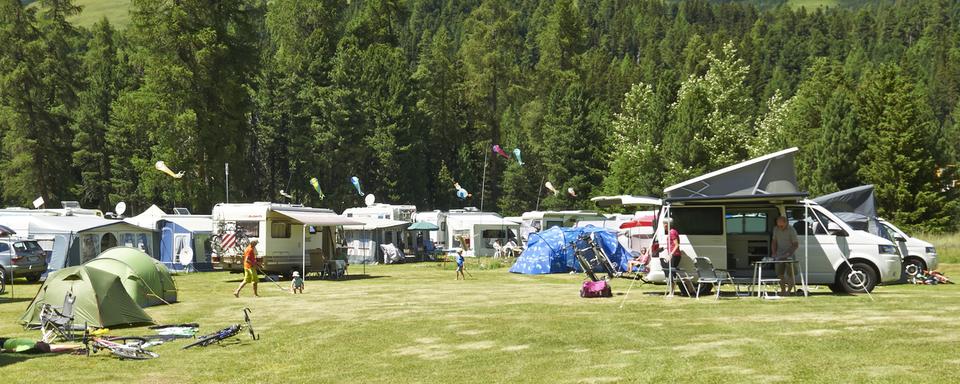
(727, 216)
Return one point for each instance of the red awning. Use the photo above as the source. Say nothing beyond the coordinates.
(644, 221)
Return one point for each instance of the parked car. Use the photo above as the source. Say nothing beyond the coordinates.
(22, 258)
(917, 253)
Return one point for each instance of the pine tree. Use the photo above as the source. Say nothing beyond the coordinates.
(104, 82)
(635, 166)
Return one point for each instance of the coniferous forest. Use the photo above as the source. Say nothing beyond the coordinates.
(409, 96)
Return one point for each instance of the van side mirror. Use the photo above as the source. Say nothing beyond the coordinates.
(899, 238)
(835, 230)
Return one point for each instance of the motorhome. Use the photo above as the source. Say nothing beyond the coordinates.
(475, 232)
(383, 211)
(918, 255)
(69, 208)
(536, 221)
(727, 216)
(291, 237)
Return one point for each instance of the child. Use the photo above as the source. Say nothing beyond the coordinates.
(460, 265)
(296, 284)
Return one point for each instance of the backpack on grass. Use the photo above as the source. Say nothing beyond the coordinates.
(595, 289)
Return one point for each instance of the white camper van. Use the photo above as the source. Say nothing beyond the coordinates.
(536, 221)
(290, 236)
(475, 232)
(727, 216)
(917, 253)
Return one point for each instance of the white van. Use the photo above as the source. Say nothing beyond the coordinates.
(735, 232)
(917, 253)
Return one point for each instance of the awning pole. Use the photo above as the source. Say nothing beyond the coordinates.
(806, 249)
(303, 248)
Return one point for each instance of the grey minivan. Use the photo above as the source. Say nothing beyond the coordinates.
(22, 258)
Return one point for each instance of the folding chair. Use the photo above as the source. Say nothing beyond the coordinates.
(57, 322)
(684, 279)
(707, 274)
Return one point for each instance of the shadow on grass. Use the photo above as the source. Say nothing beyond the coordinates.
(314, 278)
(7, 359)
(4, 299)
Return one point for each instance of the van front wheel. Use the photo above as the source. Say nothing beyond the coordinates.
(861, 278)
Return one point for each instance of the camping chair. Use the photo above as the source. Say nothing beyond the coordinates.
(57, 322)
(707, 274)
(678, 277)
(497, 250)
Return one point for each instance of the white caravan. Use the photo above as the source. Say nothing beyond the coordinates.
(917, 253)
(383, 211)
(727, 216)
(536, 221)
(291, 236)
(438, 218)
(475, 232)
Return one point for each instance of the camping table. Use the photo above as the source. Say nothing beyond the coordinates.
(758, 279)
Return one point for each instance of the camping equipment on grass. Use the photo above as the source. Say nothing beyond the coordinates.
(226, 333)
(595, 289)
(549, 251)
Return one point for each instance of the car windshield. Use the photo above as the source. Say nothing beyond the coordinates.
(26, 246)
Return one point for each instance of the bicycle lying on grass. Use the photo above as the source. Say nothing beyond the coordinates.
(226, 333)
(126, 347)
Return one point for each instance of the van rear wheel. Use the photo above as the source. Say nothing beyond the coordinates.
(858, 279)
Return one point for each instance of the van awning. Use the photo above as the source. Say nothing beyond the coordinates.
(625, 200)
(322, 219)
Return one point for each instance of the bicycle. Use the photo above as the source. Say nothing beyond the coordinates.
(597, 260)
(226, 333)
(582, 260)
(3, 281)
(124, 347)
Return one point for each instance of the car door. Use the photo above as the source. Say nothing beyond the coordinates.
(816, 245)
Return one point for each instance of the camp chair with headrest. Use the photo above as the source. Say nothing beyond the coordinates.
(680, 278)
(57, 322)
(707, 274)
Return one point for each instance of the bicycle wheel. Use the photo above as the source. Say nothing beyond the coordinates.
(3, 281)
(133, 353)
(132, 341)
(203, 342)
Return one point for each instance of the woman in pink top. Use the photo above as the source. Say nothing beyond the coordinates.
(673, 247)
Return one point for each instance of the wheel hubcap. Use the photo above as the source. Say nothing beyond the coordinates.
(857, 279)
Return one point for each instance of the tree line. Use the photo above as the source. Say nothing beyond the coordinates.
(602, 96)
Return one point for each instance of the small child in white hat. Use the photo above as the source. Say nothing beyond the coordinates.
(296, 284)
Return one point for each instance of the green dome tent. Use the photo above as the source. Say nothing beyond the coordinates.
(101, 298)
(146, 280)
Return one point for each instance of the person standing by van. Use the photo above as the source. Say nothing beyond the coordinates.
(785, 243)
(673, 246)
(249, 268)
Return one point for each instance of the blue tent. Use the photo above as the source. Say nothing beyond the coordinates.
(549, 251)
(182, 236)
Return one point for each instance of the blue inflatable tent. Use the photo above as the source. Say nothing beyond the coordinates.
(549, 251)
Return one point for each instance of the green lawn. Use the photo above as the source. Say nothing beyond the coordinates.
(95, 10)
(414, 323)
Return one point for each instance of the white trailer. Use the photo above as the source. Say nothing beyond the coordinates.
(475, 232)
(292, 237)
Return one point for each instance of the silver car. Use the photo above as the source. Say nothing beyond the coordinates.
(22, 258)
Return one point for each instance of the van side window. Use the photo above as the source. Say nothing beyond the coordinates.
(4, 247)
(748, 221)
(698, 220)
(795, 218)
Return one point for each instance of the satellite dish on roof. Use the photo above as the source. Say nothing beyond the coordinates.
(369, 200)
(120, 208)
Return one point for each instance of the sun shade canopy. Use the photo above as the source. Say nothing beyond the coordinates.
(423, 226)
(764, 175)
(317, 218)
(625, 200)
(370, 224)
(856, 206)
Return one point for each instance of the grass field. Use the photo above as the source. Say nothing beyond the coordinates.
(414, 323)
(95, 10)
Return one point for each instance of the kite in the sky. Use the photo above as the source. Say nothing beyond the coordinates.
(549, 186)
(316, 186)
(162, 167)
(462, 194)
(356, 184)
(499, 151)
(516, 153)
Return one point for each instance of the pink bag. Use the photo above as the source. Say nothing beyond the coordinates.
(595, 289)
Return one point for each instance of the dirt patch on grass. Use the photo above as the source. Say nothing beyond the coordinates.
(515, 348)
